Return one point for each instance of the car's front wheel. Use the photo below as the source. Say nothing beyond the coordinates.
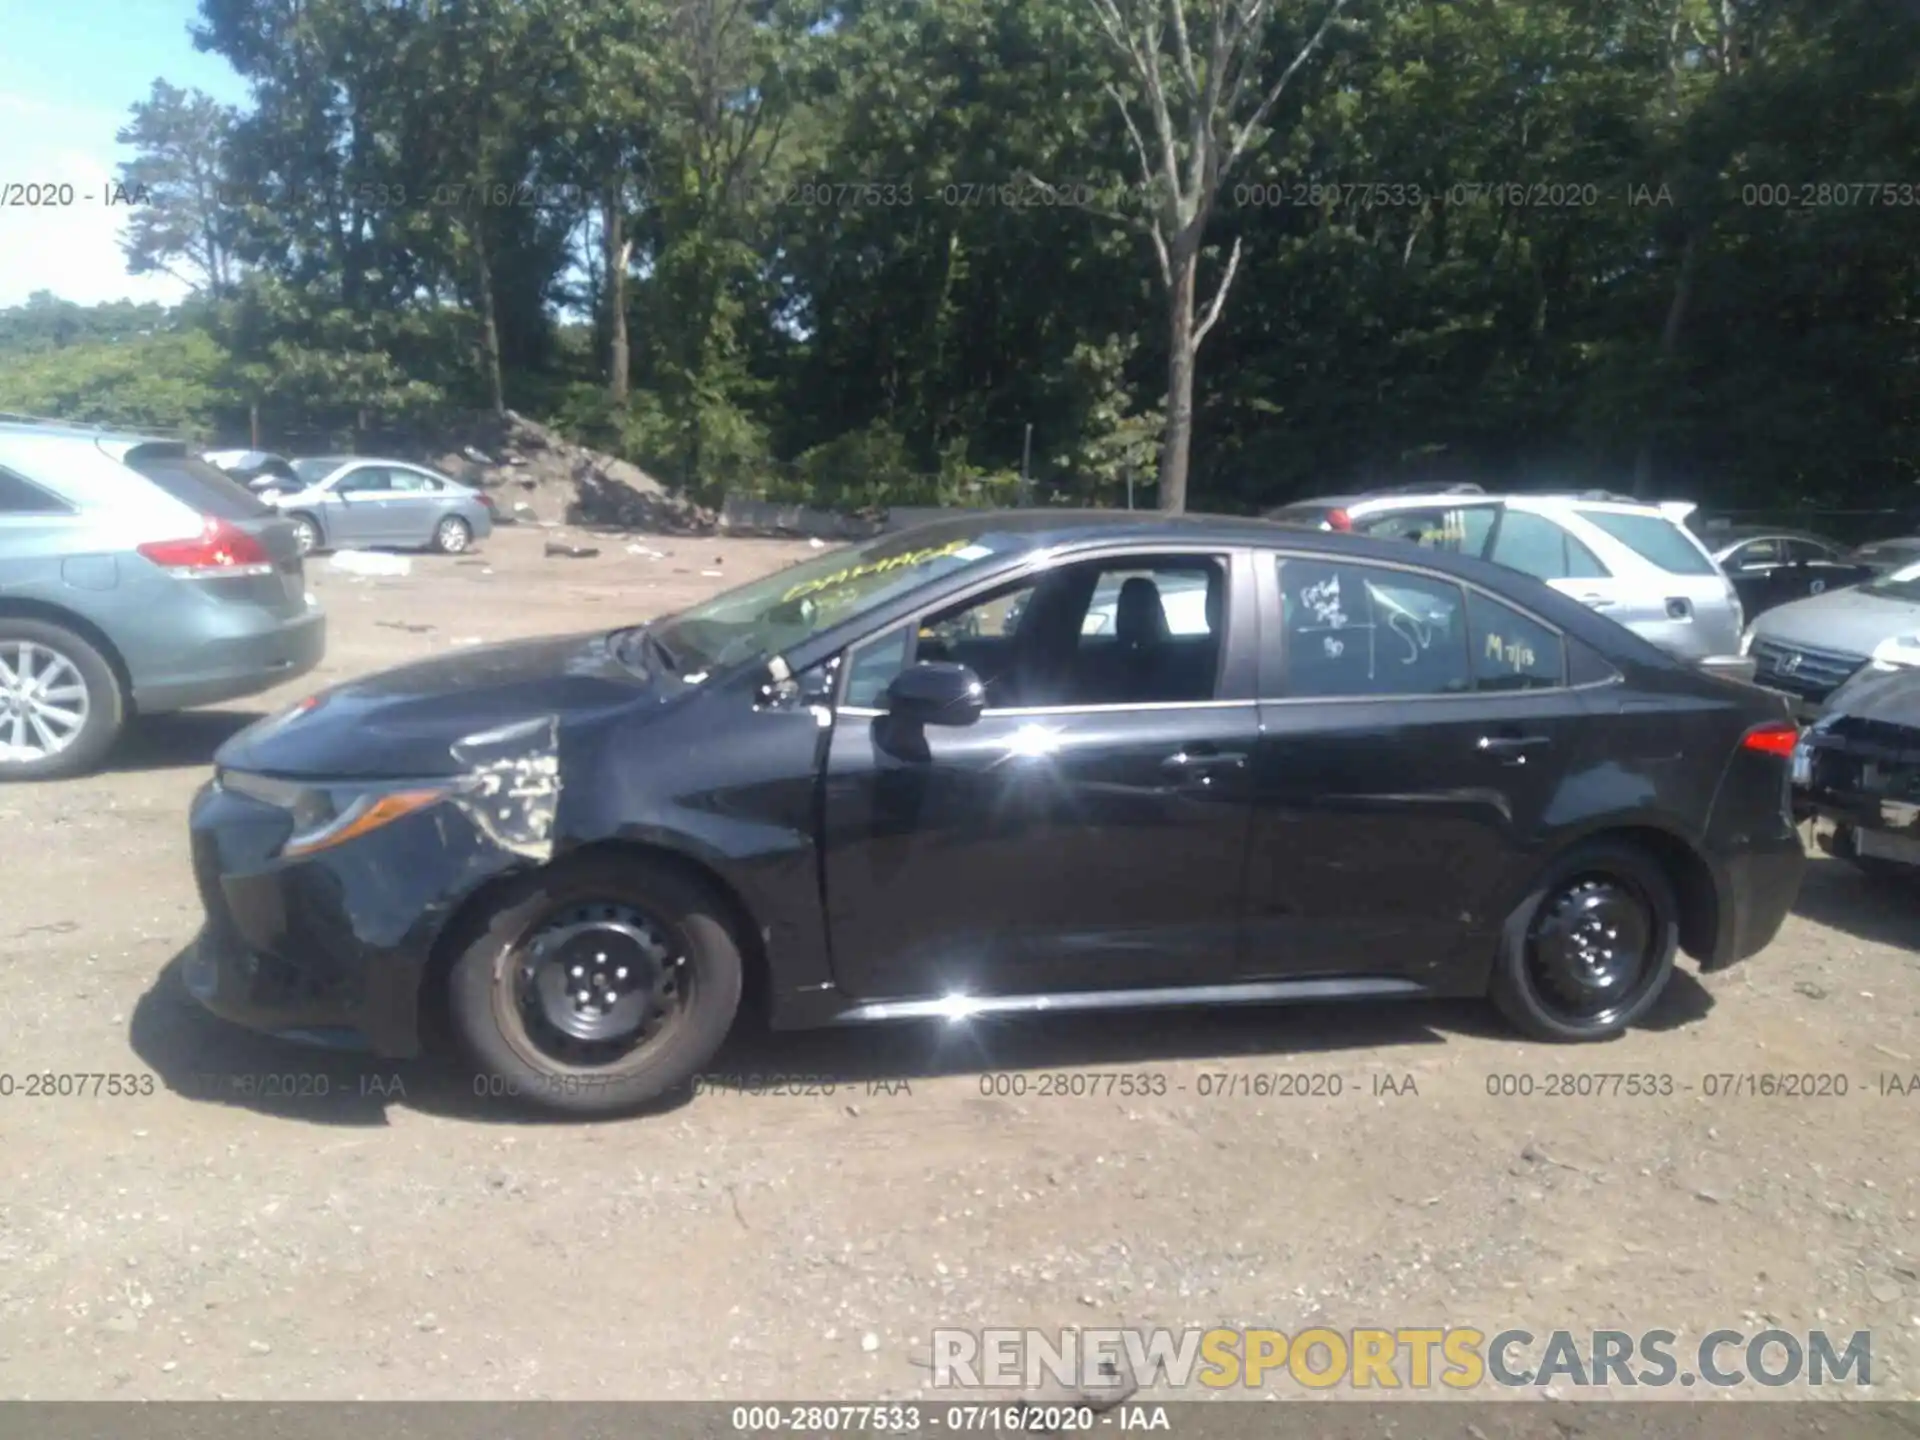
(597, 986)
(60, 703)
(1591, 947)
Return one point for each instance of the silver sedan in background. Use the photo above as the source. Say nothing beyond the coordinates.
(348, 501)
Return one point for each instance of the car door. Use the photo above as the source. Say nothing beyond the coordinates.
(1088, 831)
(1818, 568)
(414, 507)
(356, 514)
(1413, 734)
(1760, 573)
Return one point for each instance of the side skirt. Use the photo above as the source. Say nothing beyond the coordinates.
(820, 1008)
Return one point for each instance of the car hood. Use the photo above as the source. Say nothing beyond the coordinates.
(1886, 697)
(1851, 620)
(407, 721)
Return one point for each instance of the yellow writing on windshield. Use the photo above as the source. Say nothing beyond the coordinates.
(903, 561)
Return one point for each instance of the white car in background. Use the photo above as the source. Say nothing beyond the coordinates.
(1634, 562)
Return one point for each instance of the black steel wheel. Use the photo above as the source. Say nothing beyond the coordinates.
(597, 986)
(1590, 949)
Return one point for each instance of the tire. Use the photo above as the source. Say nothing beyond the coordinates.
(306, 532)
(452, 536)
(64, 663)
(1539, 982)
(501, 1009)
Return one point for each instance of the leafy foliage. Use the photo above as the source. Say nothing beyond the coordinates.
(856, 254)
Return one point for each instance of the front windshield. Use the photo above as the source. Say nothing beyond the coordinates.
(1902, 584)
(767, 616)
(313, 471)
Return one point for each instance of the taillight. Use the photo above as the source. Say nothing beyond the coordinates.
(487, 500)
(1776, 738)
(1339, 520)
(221, 548)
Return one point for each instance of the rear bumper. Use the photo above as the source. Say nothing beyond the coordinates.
(248, 653)
(1757, 888)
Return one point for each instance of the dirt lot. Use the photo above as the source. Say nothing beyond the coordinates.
(397, 1238)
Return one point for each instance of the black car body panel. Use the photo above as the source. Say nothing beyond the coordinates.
(1860, 766)
(1234, 838)
(1770, 566)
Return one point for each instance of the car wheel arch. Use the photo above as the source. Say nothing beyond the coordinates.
(468, 917)
(1679, 860)
(20, 608)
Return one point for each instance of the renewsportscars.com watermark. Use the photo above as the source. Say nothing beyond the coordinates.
(1415, 1358)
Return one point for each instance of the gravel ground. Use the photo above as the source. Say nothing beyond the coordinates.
(395, 1237)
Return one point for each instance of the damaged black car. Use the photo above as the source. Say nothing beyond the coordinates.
(1858, 767)
(999, 765)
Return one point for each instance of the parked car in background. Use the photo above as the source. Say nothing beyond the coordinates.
(1883, 556)
(1371, 772)
(258, 470)
(1770, 566)
(1858, 766)
(1808, 649)
(134, 579)
(1635, 563)
(346, 501)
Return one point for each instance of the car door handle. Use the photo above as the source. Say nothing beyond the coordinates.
(1594, 602)
(1512, 749)
(1201, 762)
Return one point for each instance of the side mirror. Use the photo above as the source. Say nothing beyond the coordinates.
(936, 693)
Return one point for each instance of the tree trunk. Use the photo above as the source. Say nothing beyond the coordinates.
(1183, 263)
(618, 250)
(489, 321)
(1669, 343)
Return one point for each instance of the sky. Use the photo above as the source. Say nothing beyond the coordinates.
(69, 70)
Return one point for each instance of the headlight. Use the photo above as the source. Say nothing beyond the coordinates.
(328, 815)
(1896, 653)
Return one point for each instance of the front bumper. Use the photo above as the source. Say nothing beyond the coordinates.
(1731, 667)
(1872, 786)
(333, 948)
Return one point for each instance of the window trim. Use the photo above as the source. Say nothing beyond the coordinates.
(57, 506)
(1236, 559)
(1273, 652)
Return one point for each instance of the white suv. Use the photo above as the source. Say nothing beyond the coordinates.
(1633, 562)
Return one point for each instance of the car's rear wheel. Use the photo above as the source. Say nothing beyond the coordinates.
(452, 535)
(60, 703)
(1590, 949)
(597, 986)
(306, 533)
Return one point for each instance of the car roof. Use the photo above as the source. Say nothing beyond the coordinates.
(1720, 536)
(57, 430)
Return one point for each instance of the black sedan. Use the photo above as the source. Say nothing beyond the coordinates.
(1770, 566)
(1343, 769)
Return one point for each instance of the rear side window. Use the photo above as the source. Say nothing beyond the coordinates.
(20, 496)
(195, 483)
(1655, 539)
(1512, 651)
(1361, 630)
(1534, 545)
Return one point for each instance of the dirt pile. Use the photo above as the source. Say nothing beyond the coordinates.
(539, 477)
